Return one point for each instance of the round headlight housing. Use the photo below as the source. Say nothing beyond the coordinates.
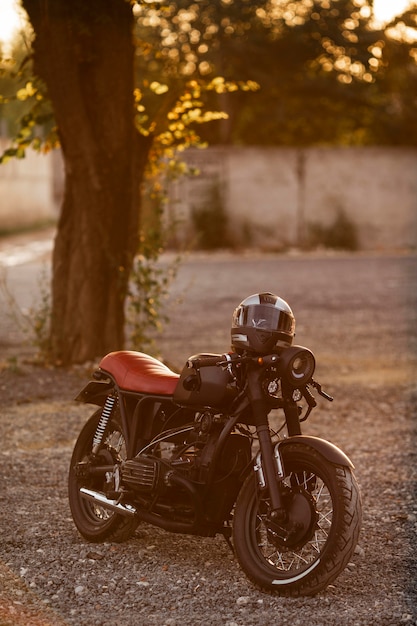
(297, 366)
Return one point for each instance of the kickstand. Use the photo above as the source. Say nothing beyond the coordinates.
(229, 543)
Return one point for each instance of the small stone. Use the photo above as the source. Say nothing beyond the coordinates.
(94, 556)
(360, 551)
(79, 589)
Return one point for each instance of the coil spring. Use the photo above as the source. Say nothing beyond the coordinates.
(104, 420)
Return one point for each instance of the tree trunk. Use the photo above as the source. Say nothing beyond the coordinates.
(84, 52)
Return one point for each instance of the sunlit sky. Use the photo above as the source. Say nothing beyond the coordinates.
(10, 20)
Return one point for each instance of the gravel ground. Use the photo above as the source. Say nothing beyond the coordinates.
(358, 314)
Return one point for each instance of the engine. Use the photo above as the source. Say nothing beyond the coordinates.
(141, 474)
(151, 473)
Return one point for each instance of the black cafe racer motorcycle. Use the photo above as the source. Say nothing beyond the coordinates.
(199, 453)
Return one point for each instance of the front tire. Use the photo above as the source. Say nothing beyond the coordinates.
(324, 513)
(97, 523)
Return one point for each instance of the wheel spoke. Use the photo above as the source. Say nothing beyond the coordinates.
(273, 548)
(100, 512)
(325, 518)
(301, 552)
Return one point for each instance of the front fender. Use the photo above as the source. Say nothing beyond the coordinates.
(332, 453)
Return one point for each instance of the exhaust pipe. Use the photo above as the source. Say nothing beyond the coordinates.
(113, 505)
(145, 516)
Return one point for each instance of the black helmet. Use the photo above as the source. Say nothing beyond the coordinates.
(262, 323)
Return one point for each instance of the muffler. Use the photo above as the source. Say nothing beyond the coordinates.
(113, 505)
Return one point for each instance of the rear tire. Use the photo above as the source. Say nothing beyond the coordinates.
(322, 502)
(97, 523)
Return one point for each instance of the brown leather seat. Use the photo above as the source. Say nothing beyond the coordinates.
(135, 371)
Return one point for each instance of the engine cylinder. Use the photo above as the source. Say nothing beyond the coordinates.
(141, 474)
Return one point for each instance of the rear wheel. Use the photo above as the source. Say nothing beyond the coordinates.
(312, 547)
(95, 522)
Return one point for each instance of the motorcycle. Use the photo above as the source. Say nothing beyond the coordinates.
(202, 452)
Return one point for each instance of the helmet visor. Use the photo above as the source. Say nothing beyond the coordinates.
(265, 318)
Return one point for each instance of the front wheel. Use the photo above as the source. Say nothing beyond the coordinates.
(306, 552)
(95, 522)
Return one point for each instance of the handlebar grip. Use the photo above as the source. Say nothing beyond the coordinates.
(205, 361)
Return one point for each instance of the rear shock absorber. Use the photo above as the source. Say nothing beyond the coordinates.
(106, 414)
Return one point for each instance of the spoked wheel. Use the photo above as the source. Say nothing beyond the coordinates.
(95, 522)
(309, 549)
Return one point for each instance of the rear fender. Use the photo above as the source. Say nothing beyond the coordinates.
(95, 392)
(332, 453)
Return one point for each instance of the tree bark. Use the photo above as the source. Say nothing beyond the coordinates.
(84, 52)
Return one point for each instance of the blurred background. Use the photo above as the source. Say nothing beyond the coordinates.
(320, 151)
(277, 127)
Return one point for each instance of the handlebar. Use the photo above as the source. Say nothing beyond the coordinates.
(232, 357)
(227, 359)
(209, 360)
(222, 360)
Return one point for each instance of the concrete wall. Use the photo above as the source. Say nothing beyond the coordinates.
(274, 194)
(28, 193)
(279, 192)
(376, 187)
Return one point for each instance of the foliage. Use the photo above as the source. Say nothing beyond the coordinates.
(150, 279)
(173, 131)
(323, 81)
(166, 112)
(40, 317)
(11, 364)
(342, 234)
(24, 104)
(173, 126)
(165, 117)
(211, 222)
(34, 322)
(15, 70)
(396, 97)
(148, 292)
(327, 74)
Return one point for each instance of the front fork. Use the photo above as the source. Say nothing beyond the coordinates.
(268, 464)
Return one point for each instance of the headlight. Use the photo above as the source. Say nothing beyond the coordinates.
(297, 365)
